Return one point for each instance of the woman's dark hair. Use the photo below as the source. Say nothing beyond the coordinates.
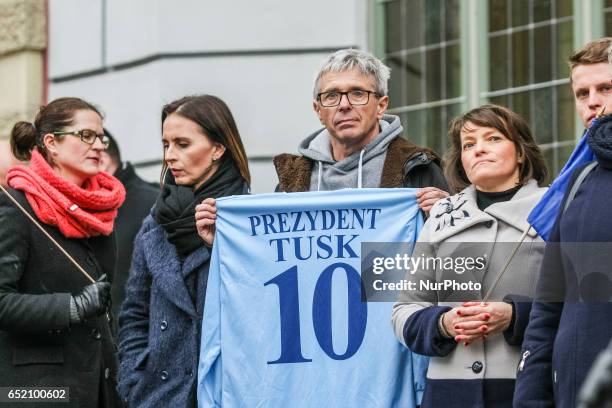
(510, 125)
(217, 122)
(54, 117)
(113, 148)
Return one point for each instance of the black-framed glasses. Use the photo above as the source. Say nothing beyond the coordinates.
(87, 136)
(354, 96)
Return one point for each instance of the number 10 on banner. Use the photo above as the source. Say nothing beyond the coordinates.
(288, 294)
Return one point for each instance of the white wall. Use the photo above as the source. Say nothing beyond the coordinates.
(188, 25)
(260, 57)
(75, 36)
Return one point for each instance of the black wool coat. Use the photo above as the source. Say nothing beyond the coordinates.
(139, 199)
(38, 345)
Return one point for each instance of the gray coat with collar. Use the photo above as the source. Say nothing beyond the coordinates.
(454, 225)
(159, 324)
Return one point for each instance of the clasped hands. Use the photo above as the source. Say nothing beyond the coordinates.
(477, 320)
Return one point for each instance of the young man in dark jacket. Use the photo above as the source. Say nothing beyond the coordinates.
(570, 319)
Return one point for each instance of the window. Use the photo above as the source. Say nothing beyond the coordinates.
(422, 49)
(608, 17)
(527, 44)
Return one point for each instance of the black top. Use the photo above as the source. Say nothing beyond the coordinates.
(484, 199)
(139, 199)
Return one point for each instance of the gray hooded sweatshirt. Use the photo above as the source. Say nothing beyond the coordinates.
(361, 169)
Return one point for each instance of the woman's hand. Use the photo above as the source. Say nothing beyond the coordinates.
(428, 196)
(455, 318)
(482, 319)
(206, 215)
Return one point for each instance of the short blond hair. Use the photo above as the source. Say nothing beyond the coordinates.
(593, 52)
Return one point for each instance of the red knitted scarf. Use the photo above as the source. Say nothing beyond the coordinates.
(78, 212)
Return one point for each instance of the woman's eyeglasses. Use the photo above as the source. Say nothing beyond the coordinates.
(87, 136)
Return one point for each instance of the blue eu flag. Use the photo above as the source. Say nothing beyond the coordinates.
(543, 216)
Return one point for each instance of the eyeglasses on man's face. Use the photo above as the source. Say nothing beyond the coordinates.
(354, 96)
(87, 136)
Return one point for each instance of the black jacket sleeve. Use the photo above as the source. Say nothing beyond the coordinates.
(420, 171)
(534, 386)
(521, 308)
(24, 312)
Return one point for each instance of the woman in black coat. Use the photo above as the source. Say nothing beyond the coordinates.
(53, 328)
(161, 319)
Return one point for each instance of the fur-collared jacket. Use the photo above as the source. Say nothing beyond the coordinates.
(405, 165)
(483, 373)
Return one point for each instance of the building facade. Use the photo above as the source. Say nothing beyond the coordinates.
(260, 57)
(22, 60)
(446, 56)
(451, 55)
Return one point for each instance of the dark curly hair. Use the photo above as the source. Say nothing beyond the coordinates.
(510, 125)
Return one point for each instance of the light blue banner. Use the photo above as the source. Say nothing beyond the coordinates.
(284, 324)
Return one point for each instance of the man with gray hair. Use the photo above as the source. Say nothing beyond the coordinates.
(359, 145)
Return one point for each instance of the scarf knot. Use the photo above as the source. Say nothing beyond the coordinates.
(78, 212)
(600, 141)
(174, 210)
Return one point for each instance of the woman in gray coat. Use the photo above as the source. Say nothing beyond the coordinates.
(475, 345)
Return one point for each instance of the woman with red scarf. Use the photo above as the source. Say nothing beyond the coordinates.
(54, 329)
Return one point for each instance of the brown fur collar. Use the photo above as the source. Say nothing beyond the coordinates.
(294, 171)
